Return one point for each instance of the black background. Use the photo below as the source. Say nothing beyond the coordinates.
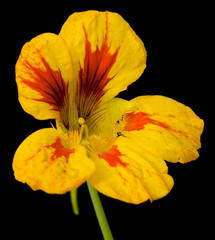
(175, 37)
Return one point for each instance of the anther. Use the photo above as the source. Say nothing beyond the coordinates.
(81, 121)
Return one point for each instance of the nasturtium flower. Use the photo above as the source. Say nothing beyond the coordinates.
(119, 146)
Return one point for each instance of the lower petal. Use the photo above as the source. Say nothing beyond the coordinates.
(50, 161)
(127, 173)
(164, 127)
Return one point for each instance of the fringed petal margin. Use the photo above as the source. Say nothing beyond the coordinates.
(51, 162)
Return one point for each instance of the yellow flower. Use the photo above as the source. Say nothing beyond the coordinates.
(118, 146)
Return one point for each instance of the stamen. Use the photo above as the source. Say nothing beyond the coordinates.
(84, 129)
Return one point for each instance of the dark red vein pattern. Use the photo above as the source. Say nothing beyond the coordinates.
(49, 84)
(94, 76)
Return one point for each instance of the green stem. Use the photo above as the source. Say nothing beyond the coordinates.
(100, 213)
(74, 200)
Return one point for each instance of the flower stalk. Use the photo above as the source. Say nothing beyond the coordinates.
(103, 223)
(74, 201)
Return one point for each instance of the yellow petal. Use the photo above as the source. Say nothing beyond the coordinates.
(52, 162)
(125, 172)
(164, 127)
(106, 54)
(43, 72)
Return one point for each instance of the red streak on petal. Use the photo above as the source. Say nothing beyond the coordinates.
(48, 83)
(60, 150)
(112, 157)
(32, 157)
(137, 121)
(94, 76)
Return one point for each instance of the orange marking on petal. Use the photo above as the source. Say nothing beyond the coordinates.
(94, 76)
(112, 157)
(48, 83)
(60, 150)
(124, 180)
(137, 121)
(32, 157)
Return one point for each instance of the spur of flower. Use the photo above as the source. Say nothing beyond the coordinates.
(118, 146)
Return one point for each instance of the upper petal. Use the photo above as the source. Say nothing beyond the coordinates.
(52, 162)
(43, 73)
(106, 53)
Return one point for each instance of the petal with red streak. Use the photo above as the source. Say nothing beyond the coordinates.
(43, 73)
(164, 127)
(106, 54)
(52, 162)
(127, 173)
